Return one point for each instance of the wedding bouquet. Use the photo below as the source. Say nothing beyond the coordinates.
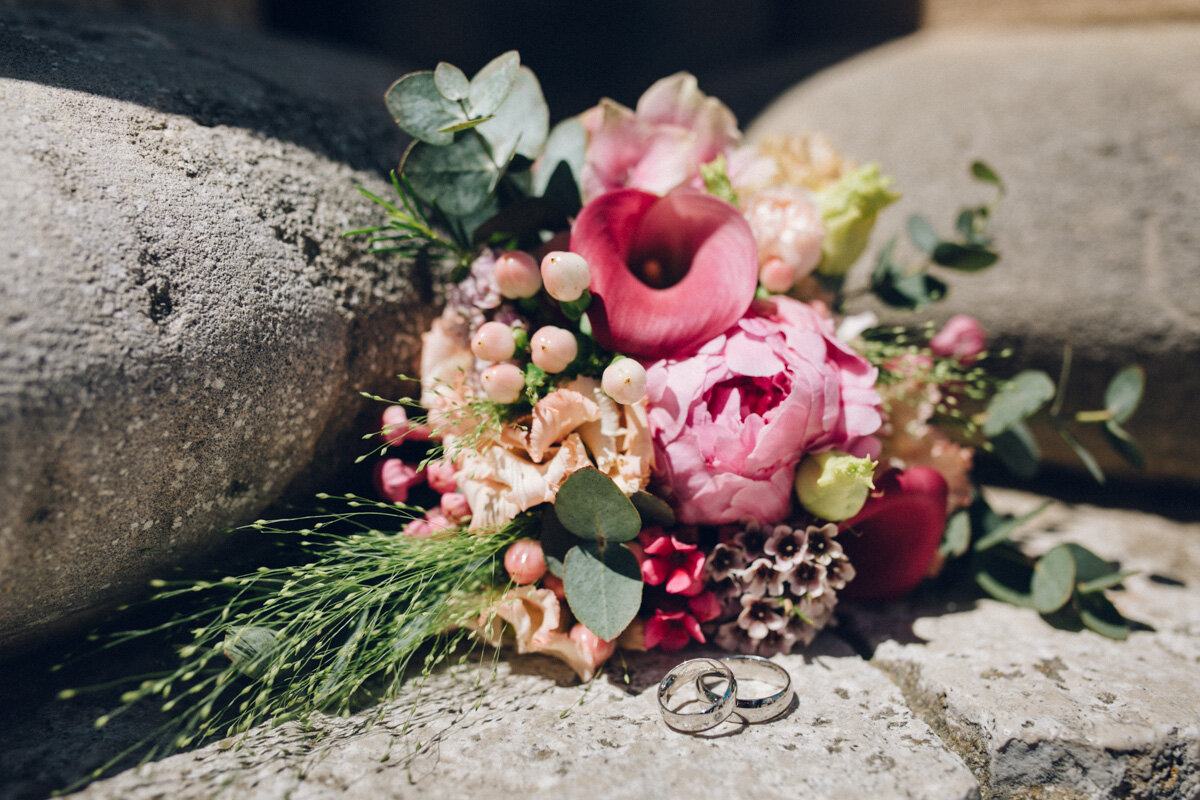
(644, 418)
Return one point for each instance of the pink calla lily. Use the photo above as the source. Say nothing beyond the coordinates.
(668, 273)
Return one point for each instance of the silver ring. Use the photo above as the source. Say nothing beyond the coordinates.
(691, 672)
(756, 709)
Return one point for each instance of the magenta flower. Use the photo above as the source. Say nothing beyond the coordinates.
(678, 564)
(731, 422)
(668, 273)
(674, 623)
(661, 145)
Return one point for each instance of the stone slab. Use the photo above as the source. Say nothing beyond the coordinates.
(1094, 132)
(183, 331)
(1038, 711)
(523, 733)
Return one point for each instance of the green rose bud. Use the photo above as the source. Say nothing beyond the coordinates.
(833, 485)
(849, 208)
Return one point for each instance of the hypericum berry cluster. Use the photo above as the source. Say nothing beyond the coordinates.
(778, 584)
(552, 349)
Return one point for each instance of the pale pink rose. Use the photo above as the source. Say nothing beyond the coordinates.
(961, 338)
(731, 422)
(787, 225)
(661, 145)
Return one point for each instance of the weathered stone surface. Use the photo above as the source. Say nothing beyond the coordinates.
(1094, 132)
(1037, 711)
(523, 733)
(182, 331)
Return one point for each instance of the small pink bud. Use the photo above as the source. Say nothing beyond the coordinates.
(776, 276)
(524, 561)
(418, 528)
(553, 348)
(493, 342)
(554, 584)
(624, 380)
(565, 275)
(455, 506)
(502, 383)
(442, 477)
(595, 649)
(393, 479)
(438, 521)
(962, 338)
(397, 428)
(517, 275)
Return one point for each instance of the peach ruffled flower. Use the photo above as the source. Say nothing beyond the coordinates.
(573, 427)
(535, 622)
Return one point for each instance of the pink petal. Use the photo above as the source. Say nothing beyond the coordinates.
(706, 607)
(692, 626)
(655, 631)
(654, 570)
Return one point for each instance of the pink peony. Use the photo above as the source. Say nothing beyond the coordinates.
(961, 338)
(731, 422)
(898, 533)
(661, 145)
(668, 273)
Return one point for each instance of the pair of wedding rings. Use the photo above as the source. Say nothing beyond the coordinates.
(716, 685)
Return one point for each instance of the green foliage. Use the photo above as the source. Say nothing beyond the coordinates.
(716, 180)
(912, 286)
(408, 230)
(356, 610)
(1020, 399)
(1066, 585)
(457, 178)
(603, 586)
(582, 541)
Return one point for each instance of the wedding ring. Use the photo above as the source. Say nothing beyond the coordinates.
(703, 673)
(757, 668)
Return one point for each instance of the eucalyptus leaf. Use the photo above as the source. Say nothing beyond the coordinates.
(1084, 454)
(1101, 616)
(464, 126)
(451, 81)
(603, 587)
(922, 234)
(1123, 444)
(1019, 399)
(521, 122)
(1124, 392)
(964, 257)
(421, 110)
(556, 541)
(1018, 450)
(1004, 574)
(591, 506)
(1089, 566)
(1100, 584)
(956, 539)
(984, 173)
(491, 84)
(457, 178)
(1053, 580)
(965, 224)
(997, 528)
(653, 510)
(564, 145)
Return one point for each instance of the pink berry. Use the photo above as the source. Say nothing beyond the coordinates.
(565, 275)
(524, 561)
(777, 276)
(393, 479)
(493, 342)
(517, 275)
(624, 380)
(442, 477)
(503, 383)
(549, 581)
(455, 506)
(553, 348)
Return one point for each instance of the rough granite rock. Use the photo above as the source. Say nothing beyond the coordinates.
(1037, 711)
(1094, 131)
(183, 334)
